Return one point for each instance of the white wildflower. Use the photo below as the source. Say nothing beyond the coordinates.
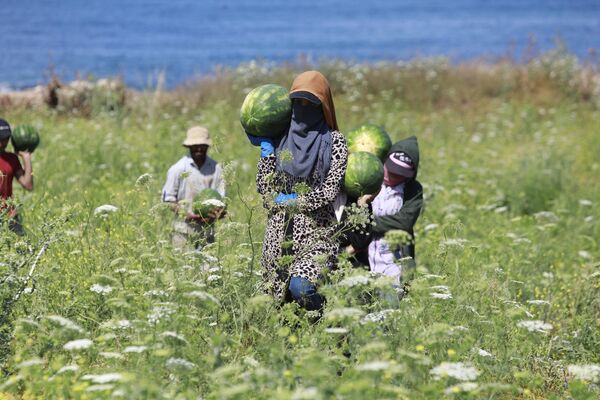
(589, 218)
(345, 312)
(101, 289)
(30, 363)
(134, 349)
(111, 354)
(378, 316)
(248, 360)
(213, 278)
(68, 368)
(179, 363)
(454, 242)
(174, 335)
(585, 203)
(155, 293)
(535, 326)
(432, 276)
(212, 270)
(460, 371)
(483, 353)
(105, 209)
(538, 302)
(123, 324)
(462, 387)
(202, 295)
(160, 312)
(430, 227)
(356, 280)
(99, 388)
(373, 366)
(65, 323)
(144, 179)
(548, 275)
(585, 254)
(303, 393)
(103, 378)
(442, 296)
(336, 330)
(588, 373)
(78, 344)
(441, 288)
(458, 328)
(545, 216)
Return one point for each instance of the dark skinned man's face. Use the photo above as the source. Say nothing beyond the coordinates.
(198, 153)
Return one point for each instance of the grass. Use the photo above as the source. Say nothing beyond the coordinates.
(509, 235)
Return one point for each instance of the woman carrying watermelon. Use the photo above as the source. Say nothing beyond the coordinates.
(299, 177)
(10, 168)
(396, 207)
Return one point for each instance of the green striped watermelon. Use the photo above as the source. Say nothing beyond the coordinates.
(371, 138)
(364, 174)
(25, 138)
(266, 111)
(207, 200)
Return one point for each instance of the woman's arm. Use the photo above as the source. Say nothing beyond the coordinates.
(265, 175)
(327, 191)
(406, 218)
(25, 177)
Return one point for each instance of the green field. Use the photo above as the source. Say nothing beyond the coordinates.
(510, 234)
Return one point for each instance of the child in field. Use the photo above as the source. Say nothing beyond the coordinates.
(10, 168)
(396, 207)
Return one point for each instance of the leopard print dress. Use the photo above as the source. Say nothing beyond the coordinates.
(306, 231)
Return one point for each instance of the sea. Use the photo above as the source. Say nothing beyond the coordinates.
(182, 40)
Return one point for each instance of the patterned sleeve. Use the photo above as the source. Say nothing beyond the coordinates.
(264, 175)
(327, 191)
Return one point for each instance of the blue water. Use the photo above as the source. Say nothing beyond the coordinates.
(187, 38)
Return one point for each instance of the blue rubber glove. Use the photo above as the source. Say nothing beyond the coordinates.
(266, 148)
(289, 199)
(266, 144)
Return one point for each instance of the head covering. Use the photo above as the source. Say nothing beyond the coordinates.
(5, 131)
(316, 84)
(399, 163)
(309, 136)
(197, 135)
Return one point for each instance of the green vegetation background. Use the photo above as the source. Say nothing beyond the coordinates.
(510, 169)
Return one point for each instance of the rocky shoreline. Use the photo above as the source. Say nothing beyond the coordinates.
(74, 94)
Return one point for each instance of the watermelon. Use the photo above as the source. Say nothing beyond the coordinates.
(266, 111)
(207, 200)
(25, 138)
(364, 174)
(371, 138)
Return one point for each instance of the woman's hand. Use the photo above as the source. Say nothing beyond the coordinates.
(286, 199)
(266, 144)
(366, 199)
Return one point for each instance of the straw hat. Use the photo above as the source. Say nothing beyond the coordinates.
(197, 135)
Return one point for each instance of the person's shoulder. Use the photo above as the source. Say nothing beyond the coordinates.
(11, 158)
(338, 138)
(180, 165)
(7, 155)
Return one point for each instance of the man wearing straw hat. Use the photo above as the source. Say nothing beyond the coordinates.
(185, 179)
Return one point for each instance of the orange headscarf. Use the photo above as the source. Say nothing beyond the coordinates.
(314, 82)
